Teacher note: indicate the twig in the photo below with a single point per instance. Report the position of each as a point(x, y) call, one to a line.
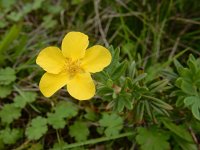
point(96, 8)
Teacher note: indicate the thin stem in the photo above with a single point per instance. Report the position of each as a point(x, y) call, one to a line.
point(98, 140)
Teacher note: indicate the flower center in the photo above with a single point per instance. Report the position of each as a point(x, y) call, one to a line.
point(73, 67)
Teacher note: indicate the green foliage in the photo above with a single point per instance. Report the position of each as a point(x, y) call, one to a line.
point(37, 128)
point(9, 113)
point(141, 91)
point(152, 139)
point(178, 130)
point(193, 102)
point(24, 98)
point(7, 76)
point(10, 136)
point(5, 90)
point(9, 38)
point(112, 124)
point(62, 112)
point(59, 145)
point(189, 84)
point(79, 131)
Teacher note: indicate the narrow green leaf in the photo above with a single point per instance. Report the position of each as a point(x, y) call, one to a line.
point(119, 70)
point(9, 37)
point(178, 130)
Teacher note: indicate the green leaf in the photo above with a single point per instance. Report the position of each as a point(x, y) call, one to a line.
point(188, 88)
point(49, 22)
point(62, 110)
point(152, 139)
point(56, 121)
point(66, 109)
point(9, 112)
point(119, 70)
point(36, 146)
point(123, 100)
point(10, 136)
point(90, 114)
point(115, 59)
point(5, 91)
point(139, 78)
point(7, 4)
point(183, 144)
point(24, 98)
point(15, 16)
point(178, 130)
point(7, 76)
point(2, 146)
point(9, 37)
point(79, 131)
point(36, 128)
point(112, 122)
point(178, 66)
point(59, 145)
point(37, 4)
point(193, 102)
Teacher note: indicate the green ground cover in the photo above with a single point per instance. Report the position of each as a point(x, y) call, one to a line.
point(148, 98)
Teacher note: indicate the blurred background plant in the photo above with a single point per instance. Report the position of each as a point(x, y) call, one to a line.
point(148, 98)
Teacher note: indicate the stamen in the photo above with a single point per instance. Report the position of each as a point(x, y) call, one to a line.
point(73, 67)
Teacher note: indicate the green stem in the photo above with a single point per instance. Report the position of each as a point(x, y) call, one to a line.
point(98, 140)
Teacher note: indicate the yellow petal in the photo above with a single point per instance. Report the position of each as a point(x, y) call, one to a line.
point(96, 58)
point(51, 60)
point(50, 83)
point(74, 45)
point(81, 87)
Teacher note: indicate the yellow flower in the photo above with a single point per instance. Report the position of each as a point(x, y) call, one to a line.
point(72, 66)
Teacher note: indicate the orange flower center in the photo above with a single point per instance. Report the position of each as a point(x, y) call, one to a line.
point(73, 67)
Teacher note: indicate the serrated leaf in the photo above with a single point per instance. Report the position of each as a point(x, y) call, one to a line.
point(24, 98)
point(10, 136)
point(66, 109)
point(56, 121)
point(37, 128)
point(152, 139)
point(62, 111)
point(9, 112)
point(79, 131)
point(5, 91)
point(112, 122)
point(7, 76)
